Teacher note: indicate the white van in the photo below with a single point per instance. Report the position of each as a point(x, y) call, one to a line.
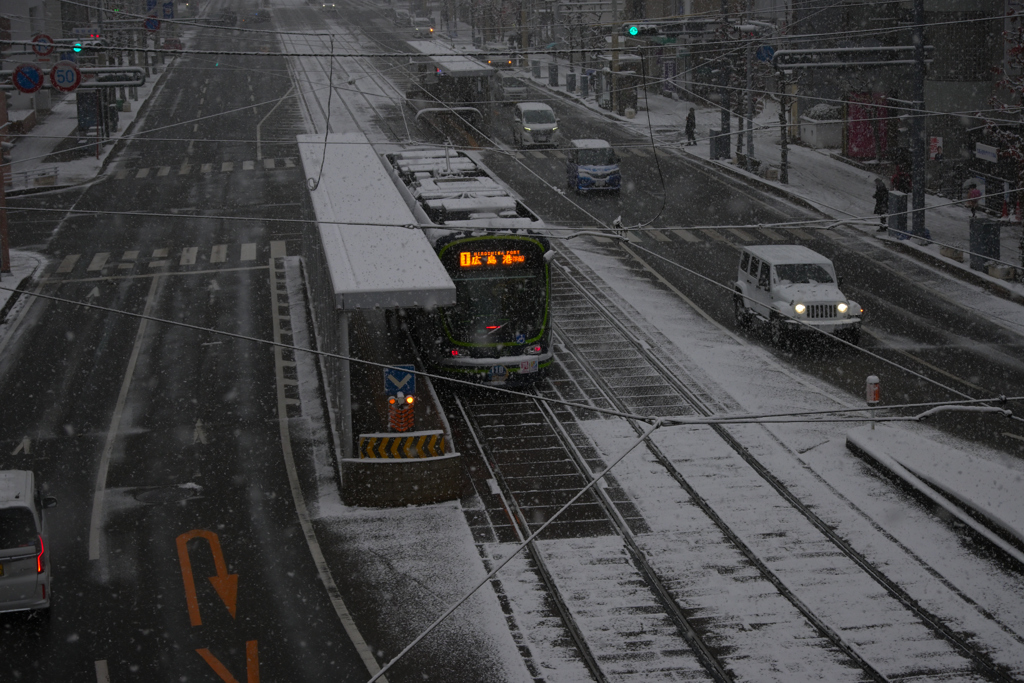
point(534, 124)
point(24, 546)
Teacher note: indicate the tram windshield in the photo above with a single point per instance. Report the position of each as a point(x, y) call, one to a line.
point(492, 310)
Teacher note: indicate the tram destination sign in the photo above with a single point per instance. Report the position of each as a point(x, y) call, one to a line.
point(494, 258)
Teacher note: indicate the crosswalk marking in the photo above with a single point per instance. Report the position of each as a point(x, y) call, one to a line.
point(68, 264)
point(164, 170)
point(188, 256)
point(206, 168)
point(185, 168)
point(219, 253)
point(772, 235)
point(801, 234)
point(249, 251)
point(143, 172)
point(98, 261)
point(289, 162)
point(831, 234)
point(122, 174)
point(743, 235)
point(268, 163)
point(537, 155)
point(248, 165)
point(278, 249)
point(227, 167)
point(659, 235)
point(687, 236)
point(558, 155)
point(715, 235)
point(130, 255)
point(160, 253)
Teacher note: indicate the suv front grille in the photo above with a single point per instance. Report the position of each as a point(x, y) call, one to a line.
point(821, 311)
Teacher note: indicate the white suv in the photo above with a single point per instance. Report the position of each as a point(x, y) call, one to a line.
point(24, 556)
point(793, 290)
point(533, 124)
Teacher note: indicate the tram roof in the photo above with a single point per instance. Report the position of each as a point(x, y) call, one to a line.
point(450, 61)
point(373, 261)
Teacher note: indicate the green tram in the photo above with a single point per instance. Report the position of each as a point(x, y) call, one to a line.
point(491, 245)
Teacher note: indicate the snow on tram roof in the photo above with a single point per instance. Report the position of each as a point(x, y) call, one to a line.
point(450, 61)
point(373, 257)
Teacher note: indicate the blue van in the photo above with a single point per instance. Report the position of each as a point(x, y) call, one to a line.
point(592, 165)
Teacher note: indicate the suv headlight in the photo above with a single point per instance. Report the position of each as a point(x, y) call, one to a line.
point(842, 307)
point(799, 308)
point(525, 128)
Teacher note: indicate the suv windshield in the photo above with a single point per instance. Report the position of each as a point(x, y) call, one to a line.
point(17, 528)
point(803, 273)
point(602, 156)
point(538, 116)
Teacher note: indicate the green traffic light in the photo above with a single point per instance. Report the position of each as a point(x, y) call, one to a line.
point(77, 47)
point(633, 30)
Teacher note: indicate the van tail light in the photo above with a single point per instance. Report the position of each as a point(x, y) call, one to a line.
point(40, 562)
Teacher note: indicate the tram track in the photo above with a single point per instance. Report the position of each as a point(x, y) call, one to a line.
point(663, 382)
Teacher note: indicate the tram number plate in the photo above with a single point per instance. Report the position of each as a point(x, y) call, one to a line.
point(498, 374)
point(528, 366)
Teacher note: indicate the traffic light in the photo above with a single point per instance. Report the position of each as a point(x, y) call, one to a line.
point(637, 30)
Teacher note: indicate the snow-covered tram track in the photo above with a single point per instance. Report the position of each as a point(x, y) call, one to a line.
point(886, 631)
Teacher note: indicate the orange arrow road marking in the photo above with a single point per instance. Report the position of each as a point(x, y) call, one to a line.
point(225, 584)
point(252, 664)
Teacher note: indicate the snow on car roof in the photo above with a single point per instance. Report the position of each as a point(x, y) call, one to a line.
point(786, 253)
point(592, 143)
point(533, 106)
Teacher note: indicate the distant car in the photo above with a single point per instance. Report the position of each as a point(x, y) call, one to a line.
point(423, 26)
point(512, 88)
point(402, 18)
point(592, 165)
point(793, 290)
point(329, 5)
point(24, 544)
point(534, 124)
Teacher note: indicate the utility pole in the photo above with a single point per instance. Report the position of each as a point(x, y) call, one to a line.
point(5, 240)
point(524, 33)
point(750, 95)
point(918, 130)
point(783, 130)
point(615, 55)
point(723, 78)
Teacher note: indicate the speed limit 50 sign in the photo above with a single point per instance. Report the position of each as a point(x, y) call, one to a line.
point(65, 76)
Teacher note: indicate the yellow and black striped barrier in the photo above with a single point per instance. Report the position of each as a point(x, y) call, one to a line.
point(392, 445)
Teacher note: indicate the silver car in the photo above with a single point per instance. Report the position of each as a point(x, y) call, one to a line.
point(534, 124)
point(24, 547)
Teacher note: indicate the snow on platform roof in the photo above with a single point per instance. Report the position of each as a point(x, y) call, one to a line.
point(786, 253)
point(373, 257)
point(591, 143)
point(450, 61)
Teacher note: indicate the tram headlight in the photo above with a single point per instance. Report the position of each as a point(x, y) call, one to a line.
point(799, 308)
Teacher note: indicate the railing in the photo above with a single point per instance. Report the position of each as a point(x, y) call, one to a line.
point(39, 177)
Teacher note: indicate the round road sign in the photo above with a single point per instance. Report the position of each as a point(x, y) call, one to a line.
point(42, 45)
point(151, 24)
point(65, 76)
point(27, 78)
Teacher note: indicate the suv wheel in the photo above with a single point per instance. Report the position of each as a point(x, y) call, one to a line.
point(740, 310)
point(777, 330)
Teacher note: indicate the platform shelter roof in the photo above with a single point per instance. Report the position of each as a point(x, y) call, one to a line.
point(376, 255)
point(450, 61)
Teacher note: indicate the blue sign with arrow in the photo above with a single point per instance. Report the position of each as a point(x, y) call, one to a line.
point(400, 378)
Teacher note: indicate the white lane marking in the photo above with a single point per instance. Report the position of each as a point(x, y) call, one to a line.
point(227, 167)
point(206, 168)
point(143, 172)
point(1014, 436)
point(185, 168)
point(68, 264)
point(188, 256)
point(24, 447)
point(278, 249)
point(493, 486)
point(195, 127)
point(164, 170)
point(268, 163)
point(249, 251)
point(219, 253)
point(743, 235)
point(122, 174)
point(772, 235)
point(190, 145)
point(202, 100)
point(658, 235)
point(248, 165)
point(102, 674)
point(347, 622)
point(115, 426)
point(160, 253)
point(130, 255)
point(199, 113)
point(289, 162)
point(98, 261)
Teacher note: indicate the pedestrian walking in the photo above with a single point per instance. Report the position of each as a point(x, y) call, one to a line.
point(973, 197)
point(691, 128)
point(881, 198)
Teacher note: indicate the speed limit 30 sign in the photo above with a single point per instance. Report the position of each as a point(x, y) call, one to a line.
point(65, 76)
